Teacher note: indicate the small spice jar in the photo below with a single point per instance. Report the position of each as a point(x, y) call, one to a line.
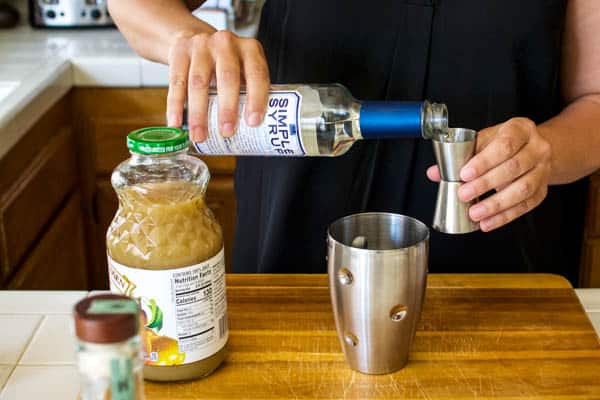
point(109, 348)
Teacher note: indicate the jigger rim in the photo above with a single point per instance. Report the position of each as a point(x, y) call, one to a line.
point(420, 226)
point(465, 134)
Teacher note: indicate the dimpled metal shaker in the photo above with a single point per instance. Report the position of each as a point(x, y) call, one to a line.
point(377, 265)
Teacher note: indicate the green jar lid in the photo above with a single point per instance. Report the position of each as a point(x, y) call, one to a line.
point(157, 140)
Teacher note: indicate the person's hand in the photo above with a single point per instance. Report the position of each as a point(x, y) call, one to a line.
point(194, 59)
point(513, 159)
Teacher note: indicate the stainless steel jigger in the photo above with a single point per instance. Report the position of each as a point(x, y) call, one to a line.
point(377, 265)
point(452, 153)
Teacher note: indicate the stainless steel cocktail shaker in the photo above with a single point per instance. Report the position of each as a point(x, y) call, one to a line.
point(377, 264)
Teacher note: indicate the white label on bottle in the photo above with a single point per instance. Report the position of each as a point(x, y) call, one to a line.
point(278, 134)
point(185, 309)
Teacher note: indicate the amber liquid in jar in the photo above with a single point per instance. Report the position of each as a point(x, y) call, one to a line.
point(163, 232)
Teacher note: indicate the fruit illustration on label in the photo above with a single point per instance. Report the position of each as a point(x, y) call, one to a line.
point(161, 350)
point(156, 320)
point(158, 350)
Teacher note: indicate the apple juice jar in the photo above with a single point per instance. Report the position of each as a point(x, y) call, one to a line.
point(165, 249)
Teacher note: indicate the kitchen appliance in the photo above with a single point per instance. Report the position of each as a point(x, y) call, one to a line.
point(377, 266)
point(69, 13)
point(9, 16)
point(452, 152)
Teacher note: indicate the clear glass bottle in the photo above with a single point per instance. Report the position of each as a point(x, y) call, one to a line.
point(321, 120)
point(165, 248)
point(109, 348)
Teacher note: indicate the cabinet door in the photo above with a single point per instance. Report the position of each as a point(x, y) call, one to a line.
point(58, 261)
point(36, 176)
point(105, 207)
point(220, 197)
point(30, 203)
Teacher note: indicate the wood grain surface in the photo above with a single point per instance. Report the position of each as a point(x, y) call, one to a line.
point(480, 336)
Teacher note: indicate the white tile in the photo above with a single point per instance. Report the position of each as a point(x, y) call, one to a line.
point(49, 383)
point(25, 105)
point(105, 48)
point(14, 72)
point(154, 74)
point(95, 292)
point(17, 330)
point(107, 71)
point(6, 88)
point(590, 298)
point(53, 343)
point(595, 318)
point(5, 371)
point(39, 302)
point(41, 50)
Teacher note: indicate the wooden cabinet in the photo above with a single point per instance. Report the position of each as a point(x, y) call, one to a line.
point(41, 222)
point(58, 260)
point(56, 201)
point(103, 117)
point(590, 267)
point(40, 190)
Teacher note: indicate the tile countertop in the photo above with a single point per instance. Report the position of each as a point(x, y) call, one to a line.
point(37, 357)
point(37, 67)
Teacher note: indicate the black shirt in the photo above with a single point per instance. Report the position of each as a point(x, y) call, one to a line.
point(487, 60)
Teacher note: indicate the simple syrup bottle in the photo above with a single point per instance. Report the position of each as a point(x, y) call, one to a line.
point(320, 120)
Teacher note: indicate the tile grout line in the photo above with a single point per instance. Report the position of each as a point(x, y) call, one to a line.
point(37, 328)
point(14, 367)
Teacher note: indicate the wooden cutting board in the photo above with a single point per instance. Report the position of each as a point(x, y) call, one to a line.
point(480, 336)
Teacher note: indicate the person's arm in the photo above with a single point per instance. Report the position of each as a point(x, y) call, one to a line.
point(165, 31)
point(575, 133)
point(519, 159)
point(151, 26)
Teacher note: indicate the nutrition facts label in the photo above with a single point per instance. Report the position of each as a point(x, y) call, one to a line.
point(199, 301)
point(184, 306)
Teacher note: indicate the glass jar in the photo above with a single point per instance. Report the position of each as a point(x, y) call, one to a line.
point(109, 348)
point(165, 248)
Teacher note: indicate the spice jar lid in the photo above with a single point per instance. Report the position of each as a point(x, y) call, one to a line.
point(106, 318)
point(157, 140)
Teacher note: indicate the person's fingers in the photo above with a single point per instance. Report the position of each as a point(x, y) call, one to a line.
point(508, 140)
point(484, 137)
point(517, 192)
point(514, 212)
point(256, 73)
point(499, 176)
point(179, 64)
point(433, 173)
point(225, 53)
point(200, 73)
